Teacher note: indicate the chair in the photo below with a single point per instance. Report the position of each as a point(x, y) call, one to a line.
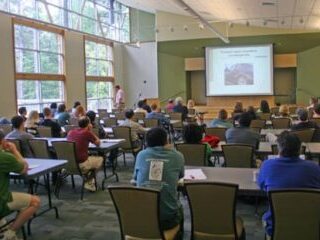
point(139, 116)
point(138, 213)
point(103, 113)
point(216, 131)
point(16, 142)
point(213, 211)
point(275, 150)
point(74, 121)
point(256, 129)
point(292, 110)
point(296, 213)
point(264, 116)
point(151, 122)
point(316, 120)
point(67, 151)
point(258, 123)
point(238, 155)
point(304, 135)
point(95, 130)
point(191, 111)
point(44, 132)
point(120, 116)
point(281, 123)
point(110, 122)
point(274, 111)
point(6, 128)
point(68, 128)
point(175, 116)
point(39, 148)
point(194, 154)
point(122, 132)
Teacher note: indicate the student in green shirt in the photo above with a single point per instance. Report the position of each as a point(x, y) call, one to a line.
point(12, 161)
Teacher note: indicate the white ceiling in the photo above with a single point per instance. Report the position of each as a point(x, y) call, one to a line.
point(297, 14)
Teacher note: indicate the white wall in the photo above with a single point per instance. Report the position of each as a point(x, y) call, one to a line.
point(139, 65)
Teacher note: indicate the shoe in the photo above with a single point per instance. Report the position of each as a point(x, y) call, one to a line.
point(10, 235)
point(90, 186)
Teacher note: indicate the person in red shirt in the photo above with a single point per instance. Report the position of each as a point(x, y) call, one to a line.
point(82, 136)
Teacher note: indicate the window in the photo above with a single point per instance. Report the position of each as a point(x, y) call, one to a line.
point(99, 74)
point(39, 66)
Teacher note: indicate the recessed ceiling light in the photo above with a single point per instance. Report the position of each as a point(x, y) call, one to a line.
point(268, 3)
point(247, 23)
point(201, 26)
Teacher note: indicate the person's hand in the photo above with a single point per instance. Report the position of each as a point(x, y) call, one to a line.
point(9, 146)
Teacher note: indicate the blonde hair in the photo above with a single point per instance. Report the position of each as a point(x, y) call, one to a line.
point(190, 103)
point(80, 112)
point(179, 100)
point(284, 110)
point(32, 119)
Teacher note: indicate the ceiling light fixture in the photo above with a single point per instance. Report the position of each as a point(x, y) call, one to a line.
point(282, 22)
point(171, 29)
point(231, 24)
point(185, 28)
point(301, 20)
point(138, 45)
point(201, 26)
point(247, 23)
point(265, 22)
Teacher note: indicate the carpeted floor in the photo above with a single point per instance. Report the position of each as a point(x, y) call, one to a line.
point(95, 217)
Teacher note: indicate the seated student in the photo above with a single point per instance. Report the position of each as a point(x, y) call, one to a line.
point(252, 113)
point(170, 105)
point(79, 112)
point(75, 105)
point(243, 134)
point(221, 121)
point(146, 106)
point(92, 116)
point(32, 123)
point(193, 134)
point(190, 104)
point(312, 102)
point(264, 107)
point(284, 111)
point(82, 136)
point(160, 167)
point(20, 133)
point(180, 108)
point(62, 116)
point(304, 122)
point(48, 122)
point(140, 109)
point(26, 204)
point(238, 109)
point(23, 112)
point(156, 114)
point(287, 171)
point(135, 128)
point(53, 108)
point(316, 111)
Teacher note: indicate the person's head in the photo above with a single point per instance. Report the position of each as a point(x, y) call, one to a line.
point(22, 111)
point(17, 122)
point(84, 122)
point(179, 101)
point(190, 103)
point(33, 116)
point(302, 114)
point(284, 110)
point(76, 104)
point(313, 100)
point(264, 106)
point(129, 113)
point(170, 101)
point(53, 105)
point(251, 110)
point(144, 101)
point(61, 108)
point(117, 87)
point(223, 115)
point(316, 109)
point(154, 107)
point(91, 115)
point(47, 112)
point(80, 112)
point(156, 137)
point(140, 104)
point(238, 107)
point(245, 119)
point(288, 144)
point(192, 133)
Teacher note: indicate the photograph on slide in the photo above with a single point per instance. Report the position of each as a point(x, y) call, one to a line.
point(238, 74)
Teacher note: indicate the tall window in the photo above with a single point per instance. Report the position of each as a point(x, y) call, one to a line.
point(39, 65)
point(99, 74)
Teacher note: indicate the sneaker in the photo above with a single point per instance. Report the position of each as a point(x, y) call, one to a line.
point(10, 235)
point(90, 186)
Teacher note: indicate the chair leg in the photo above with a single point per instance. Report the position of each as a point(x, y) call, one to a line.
point(124, 159)
point(72, 181)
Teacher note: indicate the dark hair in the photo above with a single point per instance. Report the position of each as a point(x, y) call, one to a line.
point(61, 108)
point(156, 137)
point(316, 108)
point(302, 114)
point(117, 87)
point(223, 114)
point(76, 104)
point(245, 119)
point(91, 115)
point(46, 112)
point(84, 122)
point(129, 113)
point(238, 108)
point(252, 112)
point(17, 121)
point(289, 144)
point(53, 105)
point(22, 110)
point(140, 103)
point(192, 133)
point(264, 106)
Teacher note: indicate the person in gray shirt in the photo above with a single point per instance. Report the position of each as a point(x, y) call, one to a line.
point(19, 133)
point(243, 134)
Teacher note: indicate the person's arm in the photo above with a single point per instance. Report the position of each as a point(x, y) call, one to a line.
point(11, 147)
point(93, 138)
point(262, 177)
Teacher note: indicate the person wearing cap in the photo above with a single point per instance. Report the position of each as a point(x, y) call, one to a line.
point(27, 205)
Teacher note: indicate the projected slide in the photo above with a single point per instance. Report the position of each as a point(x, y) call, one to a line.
point(239, 70)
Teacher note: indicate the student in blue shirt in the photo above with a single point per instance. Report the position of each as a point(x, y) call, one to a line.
point(221, 121)
point(287, 171)
point(160, 167)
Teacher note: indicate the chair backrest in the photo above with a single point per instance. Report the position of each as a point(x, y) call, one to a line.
point(16, 142)
point(310, 113)
point(191, 111)
point(6, 128)
point(175, 116)
point(138, 212)
point(67, 151)
point(103, 113)
point(256, 129)
point(194, 154)
point(292, 110)
point(238, 155)
point(95, 130)
point(274, 110)
point(39, 148)
point(120, 116)
point(264, 116)
point(44, 131)
point(258, 123)
point(281, 123)
point(275, 150)
point(304, 135)
point(316, 120)
point(296, 214)
point(216, 131)
point(151, 122)
point(110, 122)
point(122, 132)
point(68, 128)
point(74, 121)
point(212, 208)
point(139, 116)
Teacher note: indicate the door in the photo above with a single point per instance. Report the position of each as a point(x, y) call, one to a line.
point(285, 85)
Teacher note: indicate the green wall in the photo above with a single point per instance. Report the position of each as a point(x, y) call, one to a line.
point(308, 74)
point(142, 26)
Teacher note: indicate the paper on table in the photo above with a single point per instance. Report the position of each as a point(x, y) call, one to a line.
point(32, 166)
point(112, 140)
point(194, 174)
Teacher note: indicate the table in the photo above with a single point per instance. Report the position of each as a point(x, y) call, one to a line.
point(42, 167)
point(276, 132)
point(264, 148)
